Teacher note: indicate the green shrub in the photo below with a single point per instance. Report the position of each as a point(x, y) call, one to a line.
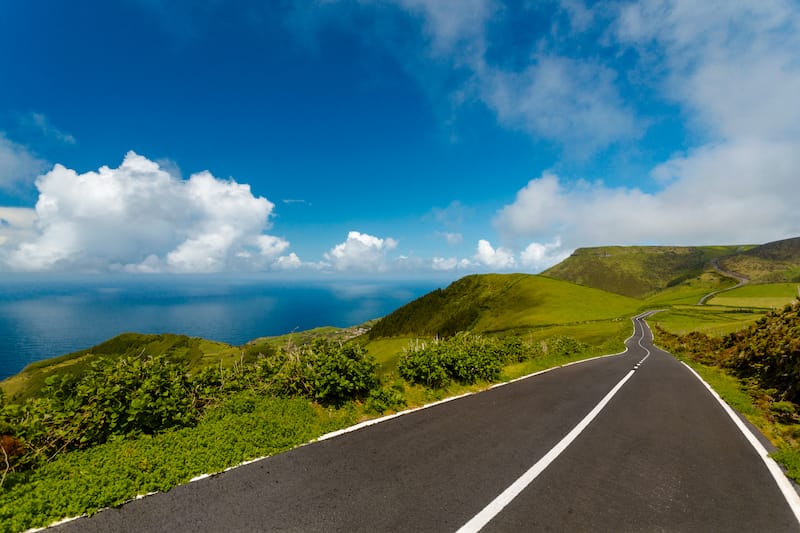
point(384, 399)
point(329, 372)
point(464, 358)
point(128, 396)
point(564, 345)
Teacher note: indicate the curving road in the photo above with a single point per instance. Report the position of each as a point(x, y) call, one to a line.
point(740, 279)
point(659, 455)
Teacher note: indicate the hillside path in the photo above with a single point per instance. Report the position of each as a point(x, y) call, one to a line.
point(661, 455)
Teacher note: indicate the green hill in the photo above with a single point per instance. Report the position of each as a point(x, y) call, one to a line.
point(636, 271)
point(774, 262)
point(644, 271)
point(497, 303)
point(196, 352)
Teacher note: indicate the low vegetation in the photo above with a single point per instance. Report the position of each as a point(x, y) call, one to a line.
point(132, 424)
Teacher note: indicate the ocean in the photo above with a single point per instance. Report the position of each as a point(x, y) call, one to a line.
point(42, 317)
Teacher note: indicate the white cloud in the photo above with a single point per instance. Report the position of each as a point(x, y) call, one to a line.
point(361, 252)
point(716, 195)
point(139, 217)
point(16, 225)
point(565, 100)
point(500, 258)
point(450, 263)
point(17, 165)
point(288, 262)
point(537, 256)
point(734, 66)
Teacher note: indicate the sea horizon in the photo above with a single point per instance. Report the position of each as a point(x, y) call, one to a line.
point(45, 316)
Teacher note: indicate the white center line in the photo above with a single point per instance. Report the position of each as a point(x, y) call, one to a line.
point(497, 505)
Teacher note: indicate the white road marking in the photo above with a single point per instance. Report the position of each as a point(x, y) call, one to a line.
point(785, 486)
point(506, 497)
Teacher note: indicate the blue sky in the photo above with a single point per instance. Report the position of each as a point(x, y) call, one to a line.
point(390, 137)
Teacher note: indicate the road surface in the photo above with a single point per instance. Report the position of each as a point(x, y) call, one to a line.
point(660, 455)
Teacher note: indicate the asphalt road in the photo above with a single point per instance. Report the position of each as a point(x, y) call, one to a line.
point(662, 455)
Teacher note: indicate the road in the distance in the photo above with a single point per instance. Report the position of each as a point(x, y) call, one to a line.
point(661, 456)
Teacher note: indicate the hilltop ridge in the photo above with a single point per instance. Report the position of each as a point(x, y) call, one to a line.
point(642, 271)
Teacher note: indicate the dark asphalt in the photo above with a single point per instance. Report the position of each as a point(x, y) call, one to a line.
point(662, 456)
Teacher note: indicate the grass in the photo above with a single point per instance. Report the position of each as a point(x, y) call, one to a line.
point(726, 313)
point(688, 292)
point(539, 301)
point(763, 270)
point(711, 320)
point(387, 353)
point(768, 296)
point(244, 427)
point(497, 304)
point(636, 271)
point(196, 352)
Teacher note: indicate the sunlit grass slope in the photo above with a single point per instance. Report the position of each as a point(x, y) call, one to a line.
point(769, 296)
point(774, 262)
point(501, 303)
point(196, 352)
point(637, 271)
point(712, 320)
point(725, 313)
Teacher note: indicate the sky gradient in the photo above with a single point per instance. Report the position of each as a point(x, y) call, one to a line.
point(390, 137)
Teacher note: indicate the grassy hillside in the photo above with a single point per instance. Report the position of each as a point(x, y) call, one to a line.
point(499, 303)
point(197, 352)
point(636, 271)
point(774, 262)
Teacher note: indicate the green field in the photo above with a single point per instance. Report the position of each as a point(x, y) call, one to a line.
point(769, 296)
point(711, 320)
point(637, 271)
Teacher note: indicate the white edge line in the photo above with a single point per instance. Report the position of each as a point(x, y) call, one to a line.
point(362, 425)
point(785, 486)
point(507, 496)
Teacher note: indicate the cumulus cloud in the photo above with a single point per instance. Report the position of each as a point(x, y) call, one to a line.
point(450, 263)
point(288, 262)
point(138, 217)
point(361, 252)
point(539, 256)
point(16, 225)
point(716, 196)
point(498, 258)
point(17, 165)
